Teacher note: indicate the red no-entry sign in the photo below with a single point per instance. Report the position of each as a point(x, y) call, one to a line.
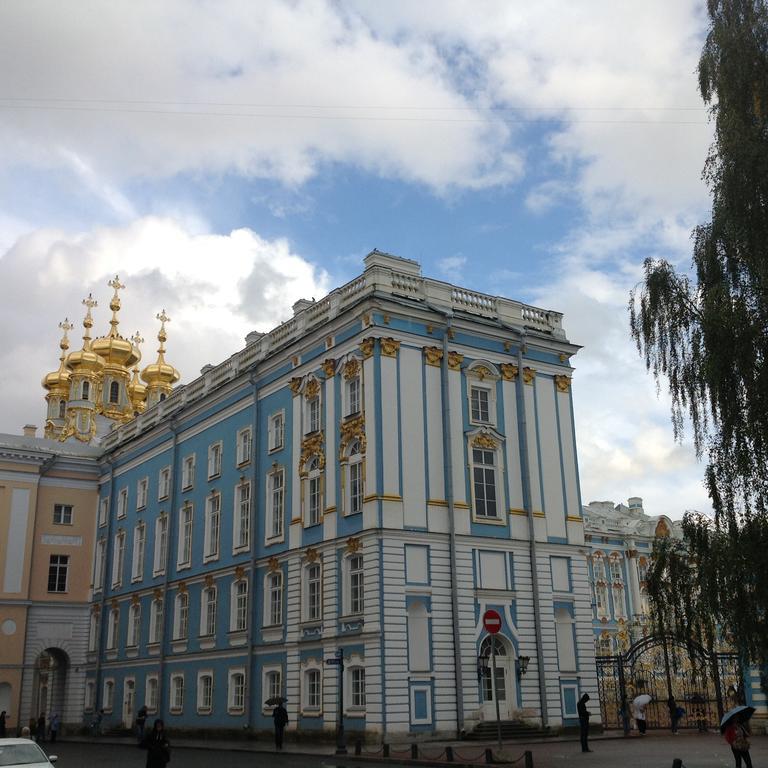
point(492, 621)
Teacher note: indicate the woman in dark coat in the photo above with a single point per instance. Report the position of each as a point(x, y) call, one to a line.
point(157, 746)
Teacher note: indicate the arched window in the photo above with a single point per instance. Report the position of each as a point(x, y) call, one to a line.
point(487, 669)
point(598, 568)
point(354, 489)
point(62, 408)
point(313, 499)
point(208, 612)
point(85, 390)
point(114, 392)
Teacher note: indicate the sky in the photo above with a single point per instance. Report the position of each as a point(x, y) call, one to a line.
point(227, 158)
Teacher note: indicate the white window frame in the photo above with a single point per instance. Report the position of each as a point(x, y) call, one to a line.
point(205, 692)
point(215, 456)
point(241, 518)
point(412, 697)
point(93, 632)
point(353, 395)
point(312, 707)
point(617, 593)
point(118, 558)
point(238, 606)
point(475, 415)
point(151, 685)
point(275, 528)
point(273, 610)
point(235, 698)
point(156, 616)
point(268, 687)
point(312, 604)
point(212, 539)
point(313, 414)
point(354, 474)
point(64, 511)
point(89, 695)
point(354, 603)
point(103, 510)
point(142, 493)
point(181, 616)
point(113, 628)
point(614, 566)
point(188, 472)
point(277, 431)
point(122, 503)
point(498, 484)
point(186, 532)
point(355, 669)
point(133, 635)
point(177, 693)
point(108, 695)
point(99, 564)
point(209, 596)
point(244, 446)
point(164, 483)
point(139, 552)
point(160, 553)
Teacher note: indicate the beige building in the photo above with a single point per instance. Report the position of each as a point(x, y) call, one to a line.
point(47, 521)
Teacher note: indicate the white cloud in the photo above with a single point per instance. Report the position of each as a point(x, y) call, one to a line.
point(216, 288)
point(452, 267)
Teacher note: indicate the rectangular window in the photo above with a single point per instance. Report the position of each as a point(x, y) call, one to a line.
point(416, 564)
point(479, 400)
point(358, 688)
point(122, 503)
point(242, 522)
point(276, 431)
point(93, 629)
point(616, 572)
point(353, 396)
point(314, 501)
point(109, 695)
point(244, 446)
point(134, 626)
point(181, 617)
point(312, 687)
point(112, 628)
point(139, 545)
point(493, 570)
point(57, 573)
point(188, 472)
point(274, 683)
point(177, 693)
point(161, 545)
point(314, 594)
point(212, 526)
point(103, 510)
point(355, 487)
point(62, 514)
point(236, 695)
point(484, 473)
point(276, 504)
point(275, 599)
point(239, 618)
point(356, 584)
point(313, 414)
point(205, 692)
point(150, 694)
point(99, 564)
point(118, 557)
point(184, 554)
point(214, 460)
point(164, 484)
point(208, 613)
point(156, 621)
point(142, 488)
point(90, 695)
point(566, 646)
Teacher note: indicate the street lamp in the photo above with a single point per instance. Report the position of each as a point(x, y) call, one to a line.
point(522, 662)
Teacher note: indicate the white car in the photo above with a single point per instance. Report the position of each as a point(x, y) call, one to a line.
point(23, 752)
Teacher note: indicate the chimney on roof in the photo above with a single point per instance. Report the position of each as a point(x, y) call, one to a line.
point(301, 305)
point(635, 502)
point(253, 337)
point(29, 430)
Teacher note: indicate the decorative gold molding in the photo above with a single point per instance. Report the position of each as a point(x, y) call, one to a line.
point(115, 604)
point(563, 383)
point(329, 510)
point(239, 572)
point(484, 440)
point(135, 600)
point(460, 505)
point(158, 593)
point(455, 359)
point(295, 360)
point(311, 555)
point(507, 346)
point(312, 389)
point(353, 544)
point(433, 356)
point(367, 345)
point(508, 371)
point(295, 385)
point(574, 519)
point(328, 342)
point(329, 367)
point(529, 374)
point(311, 445)
point(430, 329)
point(386, 319)
point(351, 368)
point(182, 587)
point(389, 347)
point(273, 564)
point(352, 429)
point(208, 580)
point(437, 502)
point(563, 357)
point(480, 372)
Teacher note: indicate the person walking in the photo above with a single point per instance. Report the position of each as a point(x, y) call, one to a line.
point(280, 716)
point(674, 713)
point(96, 724)
point(737, 736)
point(54, 726)
point(2, 724)
point(40, 733)
point(141, 720)
point(581, 708)
point(640, 718)
point(157, 745)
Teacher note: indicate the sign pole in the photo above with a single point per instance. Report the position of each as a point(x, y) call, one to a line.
point(341, 743)
point(495, 689)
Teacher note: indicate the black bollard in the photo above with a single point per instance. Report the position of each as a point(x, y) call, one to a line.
point(414, 751)
point(449, 754)
point(488, 756)
point(358, 748)
point(677, 763)
point(528, 758)
point(385, 750)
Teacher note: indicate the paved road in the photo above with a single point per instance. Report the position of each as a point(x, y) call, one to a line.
point(652, 751)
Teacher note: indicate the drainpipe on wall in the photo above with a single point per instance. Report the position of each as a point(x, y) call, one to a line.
point(528, 505)
point(255, 455)
point(167, 615)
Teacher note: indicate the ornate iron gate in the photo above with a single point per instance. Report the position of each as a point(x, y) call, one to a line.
point(704, 684)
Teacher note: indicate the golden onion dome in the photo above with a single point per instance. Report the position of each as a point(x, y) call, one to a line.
point(161, 373)
point(115, 349)
point(85, 359)
point(60, 378)
point(137, 390)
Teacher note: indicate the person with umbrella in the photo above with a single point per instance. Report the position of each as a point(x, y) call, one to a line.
point(280, 716)
point(734, 727)
point(639, 704)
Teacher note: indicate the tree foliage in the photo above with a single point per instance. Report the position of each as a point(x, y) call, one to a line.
point(706, 333)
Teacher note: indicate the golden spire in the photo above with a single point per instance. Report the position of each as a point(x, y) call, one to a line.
point(162, 336)
point(65, 326)
point(61, 376)
point(114, 305)
point(137, 390)
point(160, 376)
point(89, 302)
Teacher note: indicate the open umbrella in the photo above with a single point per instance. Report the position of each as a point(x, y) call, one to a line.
point(643, 700)
point(741, 714)
point(273, 701)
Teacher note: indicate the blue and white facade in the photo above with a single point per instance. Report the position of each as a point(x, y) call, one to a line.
point(370, 476)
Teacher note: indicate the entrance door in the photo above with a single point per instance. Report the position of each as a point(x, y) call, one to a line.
point(129, 697)
point(502, 686)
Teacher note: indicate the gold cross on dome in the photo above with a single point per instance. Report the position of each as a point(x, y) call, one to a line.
point(90, 302)
point(137, 339)
point(66, 326)
point(116, 284)
point(163, 318)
